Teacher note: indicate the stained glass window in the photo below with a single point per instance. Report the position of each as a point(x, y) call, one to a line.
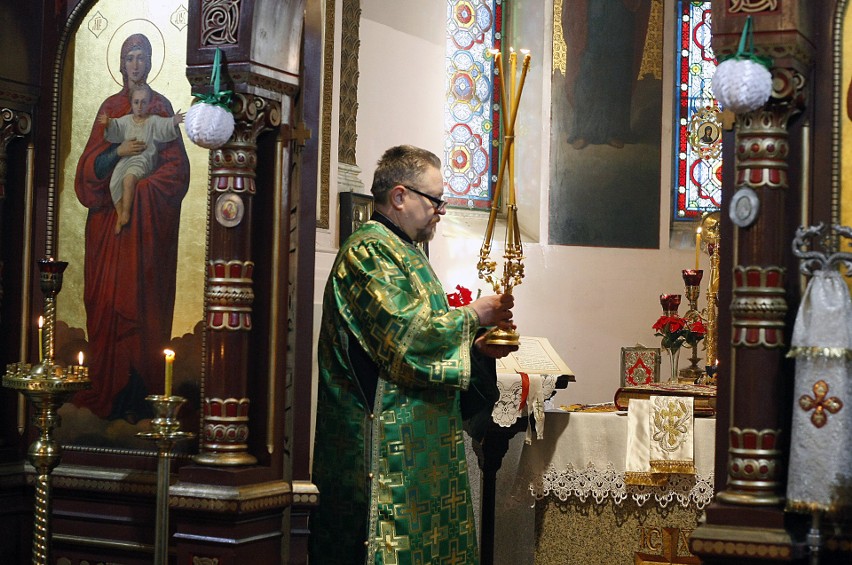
point(470, 136)
point(698, 142)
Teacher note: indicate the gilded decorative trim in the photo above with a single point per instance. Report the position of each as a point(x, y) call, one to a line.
point(215, 498)
point(305, 493)
point(229, 295)
point(739, 549)
point(225, 423)
point(351, 45)
point(234, 165)
point(220, 22)
point(230, 506)
point(560, 49)
point(838, 103)
point(754, 467)
point(71, 25)
point(325, 117)
point(820, 352)
point(251, 79)
point(758, 307)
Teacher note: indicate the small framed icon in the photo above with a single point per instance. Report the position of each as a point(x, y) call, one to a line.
point(640, 365)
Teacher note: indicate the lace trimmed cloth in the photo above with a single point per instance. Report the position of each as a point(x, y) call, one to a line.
point(523, 395)
point(601, 484)
point(583, 456)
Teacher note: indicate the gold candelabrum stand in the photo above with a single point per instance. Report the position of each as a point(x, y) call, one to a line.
point(47, 386)
point(707, 238)
point(513, 266)
point(165, 432)
point(711, 240)
point(692, 281)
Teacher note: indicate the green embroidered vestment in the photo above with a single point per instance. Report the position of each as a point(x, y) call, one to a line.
point(393, 481)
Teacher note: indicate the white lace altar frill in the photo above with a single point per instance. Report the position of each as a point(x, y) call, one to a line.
point(523, 395)
point(600, 484)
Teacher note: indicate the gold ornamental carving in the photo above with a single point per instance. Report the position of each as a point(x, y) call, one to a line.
point(234, 165)
point(350, 45)
point(762, 139)
point(327, 104)
point(752, 6)
point(220, 21)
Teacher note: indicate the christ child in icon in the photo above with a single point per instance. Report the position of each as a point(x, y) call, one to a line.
point(139, 126)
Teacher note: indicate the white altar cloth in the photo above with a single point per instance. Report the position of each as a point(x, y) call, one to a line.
point(584, 454)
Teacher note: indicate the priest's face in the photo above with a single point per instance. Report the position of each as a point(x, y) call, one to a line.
point(424, 206)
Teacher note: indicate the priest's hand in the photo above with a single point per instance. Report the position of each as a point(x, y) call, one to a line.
point(493, 310)
point(494, 350)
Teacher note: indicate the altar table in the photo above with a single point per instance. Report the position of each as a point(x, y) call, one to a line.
point(584, 511)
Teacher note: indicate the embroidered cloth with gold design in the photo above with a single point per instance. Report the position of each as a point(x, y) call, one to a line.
point(660, 439)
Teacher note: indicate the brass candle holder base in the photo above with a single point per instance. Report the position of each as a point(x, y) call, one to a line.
point(165, 431)
point(47, 386)
point(502, 337)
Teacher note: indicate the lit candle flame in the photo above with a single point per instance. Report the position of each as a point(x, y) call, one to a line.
point(40, 339)
point(80, 358)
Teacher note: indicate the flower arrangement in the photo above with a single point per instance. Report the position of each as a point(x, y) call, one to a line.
point(462, 297)
point(677, 331)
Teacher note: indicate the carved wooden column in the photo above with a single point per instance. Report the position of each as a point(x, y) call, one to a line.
point(747, 520)
point(230, 293)
point(230, 505)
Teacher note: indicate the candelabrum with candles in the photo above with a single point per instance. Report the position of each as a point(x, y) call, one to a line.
point(46, 385)
point(165, 432)
point(513, 266)
point(710, 230)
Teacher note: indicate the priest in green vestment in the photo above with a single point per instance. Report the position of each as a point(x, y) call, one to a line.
point(399, 372)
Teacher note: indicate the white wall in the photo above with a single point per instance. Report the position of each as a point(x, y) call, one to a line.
point(589, 302)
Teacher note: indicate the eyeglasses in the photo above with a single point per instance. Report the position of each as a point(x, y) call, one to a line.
point(438, 203)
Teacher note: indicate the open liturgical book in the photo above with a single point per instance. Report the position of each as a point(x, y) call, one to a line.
point(535, 356)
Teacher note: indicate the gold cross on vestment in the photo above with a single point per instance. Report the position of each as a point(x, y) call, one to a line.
point(391, 543)
point(671, 542)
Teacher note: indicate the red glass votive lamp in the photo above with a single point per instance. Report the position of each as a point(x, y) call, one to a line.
point(692, 277)
point(670, 303)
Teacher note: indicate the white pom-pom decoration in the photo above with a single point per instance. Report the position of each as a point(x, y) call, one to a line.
point(208, 125)
point(742, 85)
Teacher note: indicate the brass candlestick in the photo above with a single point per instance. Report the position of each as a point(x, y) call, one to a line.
point(710, 229)
point(165, 432)
point(692, 281)
point(513, 267)
point(47, 386)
